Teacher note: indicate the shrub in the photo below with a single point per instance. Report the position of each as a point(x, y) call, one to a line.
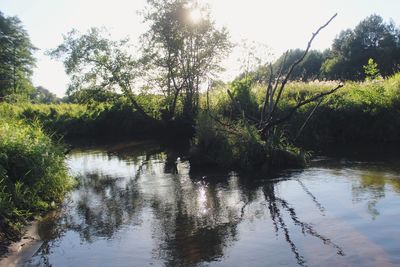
point(33, 175)
point(240, 147)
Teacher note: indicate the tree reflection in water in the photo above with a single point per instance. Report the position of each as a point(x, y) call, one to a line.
point(195, 218)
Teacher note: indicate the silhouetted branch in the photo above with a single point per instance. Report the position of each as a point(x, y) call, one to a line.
point(297, 62)
point(308, 118)
point(299, 105)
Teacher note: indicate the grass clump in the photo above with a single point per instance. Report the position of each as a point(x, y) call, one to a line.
point(238, 146)
point(33, 174)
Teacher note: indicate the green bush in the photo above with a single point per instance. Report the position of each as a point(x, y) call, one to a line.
point(33, 175)
point(240, 147)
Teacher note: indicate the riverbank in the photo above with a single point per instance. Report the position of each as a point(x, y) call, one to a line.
point(16, 253)
point(137, 203)
point(33, 176)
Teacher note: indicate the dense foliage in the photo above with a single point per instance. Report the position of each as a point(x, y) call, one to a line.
point(359, 113)
point(176, 56)
point(16, 58)
point(351, 50)
point(114, 119)
point(33, 175)
point(179, 52)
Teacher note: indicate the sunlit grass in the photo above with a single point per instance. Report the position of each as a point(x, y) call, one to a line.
point(33, 174)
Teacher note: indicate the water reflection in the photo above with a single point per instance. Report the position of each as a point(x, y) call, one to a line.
point(191, 220)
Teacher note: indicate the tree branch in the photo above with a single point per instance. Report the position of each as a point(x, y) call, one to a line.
point(305, 102)
point(297, 62)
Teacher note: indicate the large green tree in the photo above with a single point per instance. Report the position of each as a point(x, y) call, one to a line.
point(178, 52)
point(94, 62)
point(181, 48)
point(16, 57)
point(351, 50)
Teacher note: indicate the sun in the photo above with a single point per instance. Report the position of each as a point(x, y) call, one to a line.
point(195, 15)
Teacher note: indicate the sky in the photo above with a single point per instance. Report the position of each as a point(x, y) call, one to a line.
point(278, 25)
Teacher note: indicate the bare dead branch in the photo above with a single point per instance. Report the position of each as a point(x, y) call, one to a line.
point(267, 93)
point(297, 62)
point(308, 118)
point(216, 119)
point(300, 104)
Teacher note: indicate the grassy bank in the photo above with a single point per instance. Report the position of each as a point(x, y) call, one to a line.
point(33, 175)
point(359, 113)
point(97, 120)
point(74, 120)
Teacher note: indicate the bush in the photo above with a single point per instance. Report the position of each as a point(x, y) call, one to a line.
point(239, 146)
point(33, 175)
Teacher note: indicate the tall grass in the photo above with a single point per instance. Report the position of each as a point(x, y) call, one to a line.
point(361, 112)
point(75, 120)
point(33, 175)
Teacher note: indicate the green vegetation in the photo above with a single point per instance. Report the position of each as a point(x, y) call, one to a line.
point(177, 55)
point(33, 175)
point(16, 59)
point(352, 49)
point(239, 146)
point(255, 122)
point(371, 70)
point(105, 120)
point(360, 112)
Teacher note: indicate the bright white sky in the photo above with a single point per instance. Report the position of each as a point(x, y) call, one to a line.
point(279, 24)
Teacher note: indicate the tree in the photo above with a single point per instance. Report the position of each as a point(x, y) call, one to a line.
point(16, 57)
point(371, 70)
point(351, 50)
point(177, 54)
point(181, 48)
point(42, 95)
point(308, 69)
point(95, 62)
point(270, 118)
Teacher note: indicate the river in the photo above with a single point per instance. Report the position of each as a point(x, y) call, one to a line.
point(138, 204)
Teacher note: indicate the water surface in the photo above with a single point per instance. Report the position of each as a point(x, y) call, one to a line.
point(138, 205)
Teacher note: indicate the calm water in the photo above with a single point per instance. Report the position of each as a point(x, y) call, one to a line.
point(138, 205)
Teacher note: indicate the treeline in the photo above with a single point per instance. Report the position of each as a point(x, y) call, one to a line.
point(17, 62)
point(372, 39)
